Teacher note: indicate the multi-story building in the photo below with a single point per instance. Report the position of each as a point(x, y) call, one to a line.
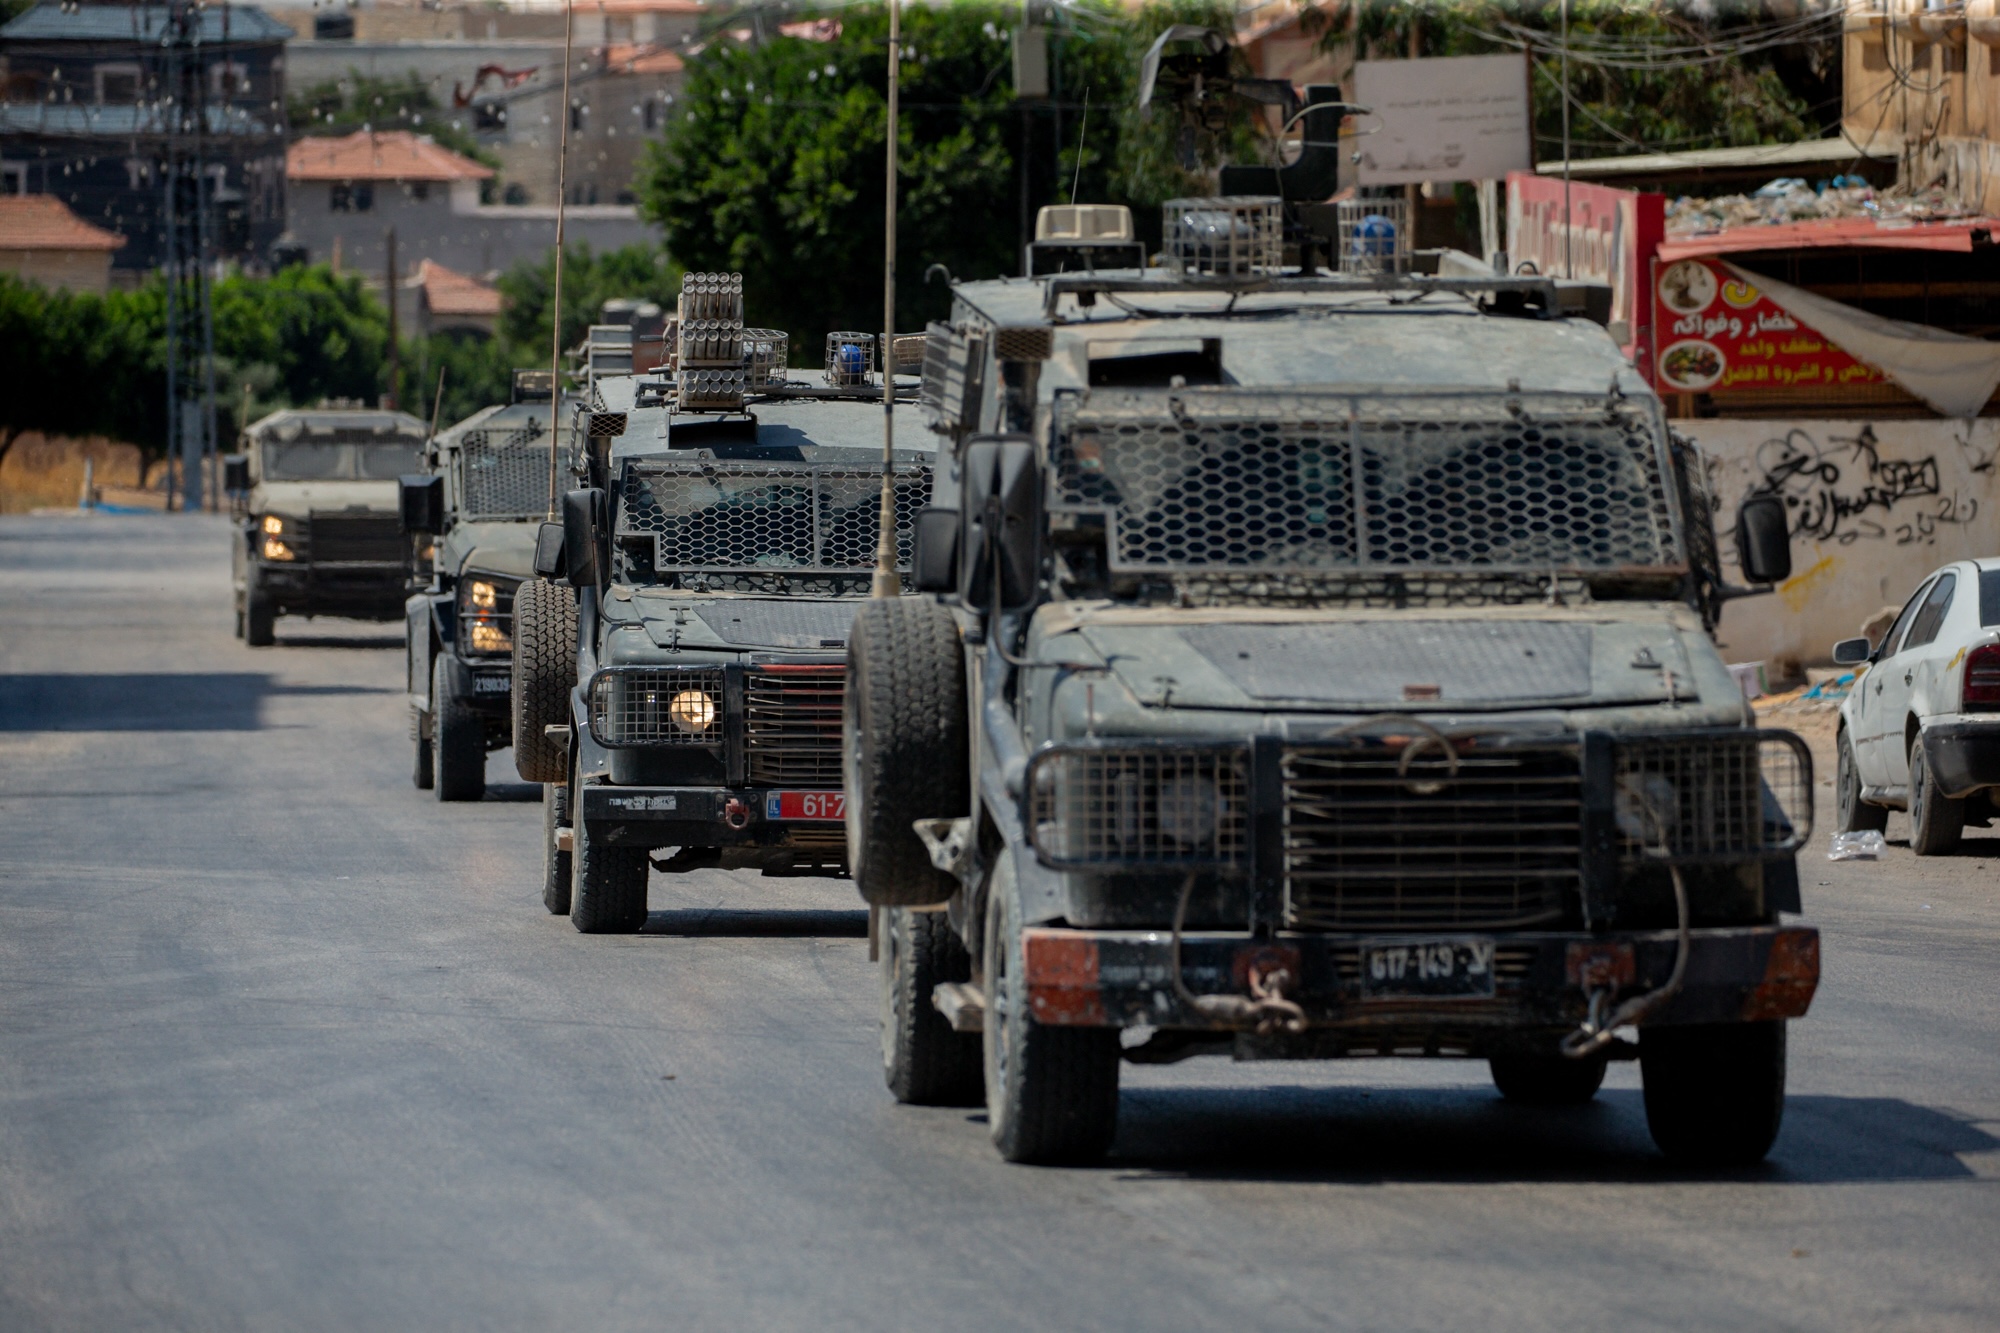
point(86, 100)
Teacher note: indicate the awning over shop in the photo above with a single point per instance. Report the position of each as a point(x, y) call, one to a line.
point(1833, 233)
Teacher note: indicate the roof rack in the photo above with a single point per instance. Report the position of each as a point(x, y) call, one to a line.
point(1540, 292)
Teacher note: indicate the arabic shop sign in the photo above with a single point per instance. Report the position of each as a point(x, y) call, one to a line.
point(1719, 333)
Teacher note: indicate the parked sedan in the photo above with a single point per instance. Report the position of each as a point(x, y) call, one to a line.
point(1921, 729)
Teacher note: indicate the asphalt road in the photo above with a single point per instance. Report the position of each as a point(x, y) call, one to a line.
point(285, 1044)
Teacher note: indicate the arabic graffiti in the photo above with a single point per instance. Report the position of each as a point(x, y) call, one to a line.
point(1845, 491)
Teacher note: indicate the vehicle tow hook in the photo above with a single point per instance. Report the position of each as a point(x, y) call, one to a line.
point(1265, 1005)
point(736, 814)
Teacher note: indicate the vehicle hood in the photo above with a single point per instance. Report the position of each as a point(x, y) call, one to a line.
point(1453, 659)
point(495, 548)
point(306, 497)
point(676, 619)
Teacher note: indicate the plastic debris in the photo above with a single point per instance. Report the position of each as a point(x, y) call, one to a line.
point(1856, 846)
point(1791, 199)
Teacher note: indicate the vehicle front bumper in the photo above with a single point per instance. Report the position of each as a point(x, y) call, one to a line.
point(700, 817)
point(1124, 978)
point(1963, 756)
point(485, 685)
point(372, 591)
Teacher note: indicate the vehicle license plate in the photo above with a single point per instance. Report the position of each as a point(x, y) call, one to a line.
point(829, 805)
point(487, 684)
point(1433, 968)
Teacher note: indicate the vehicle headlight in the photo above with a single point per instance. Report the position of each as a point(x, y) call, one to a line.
point(485, 595)
point(692, 710)
point(277, 550)
point(273, 524)
point(1108, 806)
point(487, 637)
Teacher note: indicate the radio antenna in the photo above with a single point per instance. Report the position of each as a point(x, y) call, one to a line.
point(562, 197)
point(886, 583)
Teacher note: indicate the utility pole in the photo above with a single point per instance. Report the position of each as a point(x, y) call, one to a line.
point(185, 202)
point(389, 287)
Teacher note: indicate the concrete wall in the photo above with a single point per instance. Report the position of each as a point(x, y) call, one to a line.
point(73, 270)
point(1875, 506)
point(462, 236)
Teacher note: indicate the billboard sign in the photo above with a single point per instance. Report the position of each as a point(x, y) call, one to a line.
point(1454, 118)
point(1718, 332)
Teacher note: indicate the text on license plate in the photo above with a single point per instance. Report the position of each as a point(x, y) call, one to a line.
point(490, 684)
point(1427, 968)
point(805, 805)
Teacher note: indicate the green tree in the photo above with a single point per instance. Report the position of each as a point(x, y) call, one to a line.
point(641, 272)
point(771, 164)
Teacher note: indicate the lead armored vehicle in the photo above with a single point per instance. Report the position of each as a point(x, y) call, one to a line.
point(720, 534)
point(479, 506)
point(314, 492)
point(1317, 667)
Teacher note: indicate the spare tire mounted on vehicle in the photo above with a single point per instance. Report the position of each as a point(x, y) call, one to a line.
point(544, 674)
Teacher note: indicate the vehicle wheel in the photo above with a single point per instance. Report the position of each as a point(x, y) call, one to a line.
point(1851, 813)
point(458, 741)
point(1051, 1092)
point(1937, 821)
point(1547, 1080)
point(1715, 1094)
point(924, 1062)
point(555, 862)
point(425, 772)
point(904, 751)
point(544, 675)
point(260, 617)
point(607, 884)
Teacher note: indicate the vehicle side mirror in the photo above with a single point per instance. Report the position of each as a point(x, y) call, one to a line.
point(579, 525)
point(236, 472)
point(1852, 652)
point(549, 561)
point(422, 503)
point(1763, 539)
point(1002, 498)
point(935, 566)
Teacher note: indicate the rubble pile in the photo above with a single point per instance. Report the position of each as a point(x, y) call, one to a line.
point(1792, 199)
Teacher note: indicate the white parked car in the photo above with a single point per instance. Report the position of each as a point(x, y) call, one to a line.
point(1920, 731)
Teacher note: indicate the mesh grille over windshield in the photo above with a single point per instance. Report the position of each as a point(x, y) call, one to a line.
point(1202, 480)
point(746, 517)
point(504, 473)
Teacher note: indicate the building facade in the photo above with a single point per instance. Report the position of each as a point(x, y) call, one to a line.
point(95, 102)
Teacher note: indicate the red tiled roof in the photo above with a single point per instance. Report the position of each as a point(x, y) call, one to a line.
point(646, 59)
point(449, 293)
point(382, 155)
point(44, 222)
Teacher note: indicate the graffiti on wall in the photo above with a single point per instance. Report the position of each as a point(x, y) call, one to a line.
point(1839, 488)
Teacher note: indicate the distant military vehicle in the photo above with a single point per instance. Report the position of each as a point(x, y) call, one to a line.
point(719, 532)
point(315, 495)
point(478, 506)
point(1318, 667)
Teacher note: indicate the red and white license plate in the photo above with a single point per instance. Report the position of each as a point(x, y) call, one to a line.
point(827, 805)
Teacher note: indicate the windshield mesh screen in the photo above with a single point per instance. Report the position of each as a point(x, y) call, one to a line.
point(757, 516)
point(504, 474)
point(1202, 480)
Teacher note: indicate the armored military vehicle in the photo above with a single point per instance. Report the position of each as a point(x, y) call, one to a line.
point(1318, 667)
point(479, 506)
point(721, 531)
point(314, 492)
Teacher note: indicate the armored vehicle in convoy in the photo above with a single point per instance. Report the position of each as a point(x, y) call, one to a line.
point(679, 691)
point(314, 493)
point(1318, 667)
point(479, 507)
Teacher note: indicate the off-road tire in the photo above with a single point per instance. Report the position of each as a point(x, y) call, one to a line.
point(458, 741)
point(1851, 814)
point(904, 751)
point(555, 862)
point(607, 884)
point(1715, 1093)
point(1051, 1092)
point(1937, 821)
point(260, 617)
point(924, 1062)
point(544, 675)
point(1547, 1080)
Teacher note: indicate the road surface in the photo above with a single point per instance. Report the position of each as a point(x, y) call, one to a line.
point(285, 1044)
